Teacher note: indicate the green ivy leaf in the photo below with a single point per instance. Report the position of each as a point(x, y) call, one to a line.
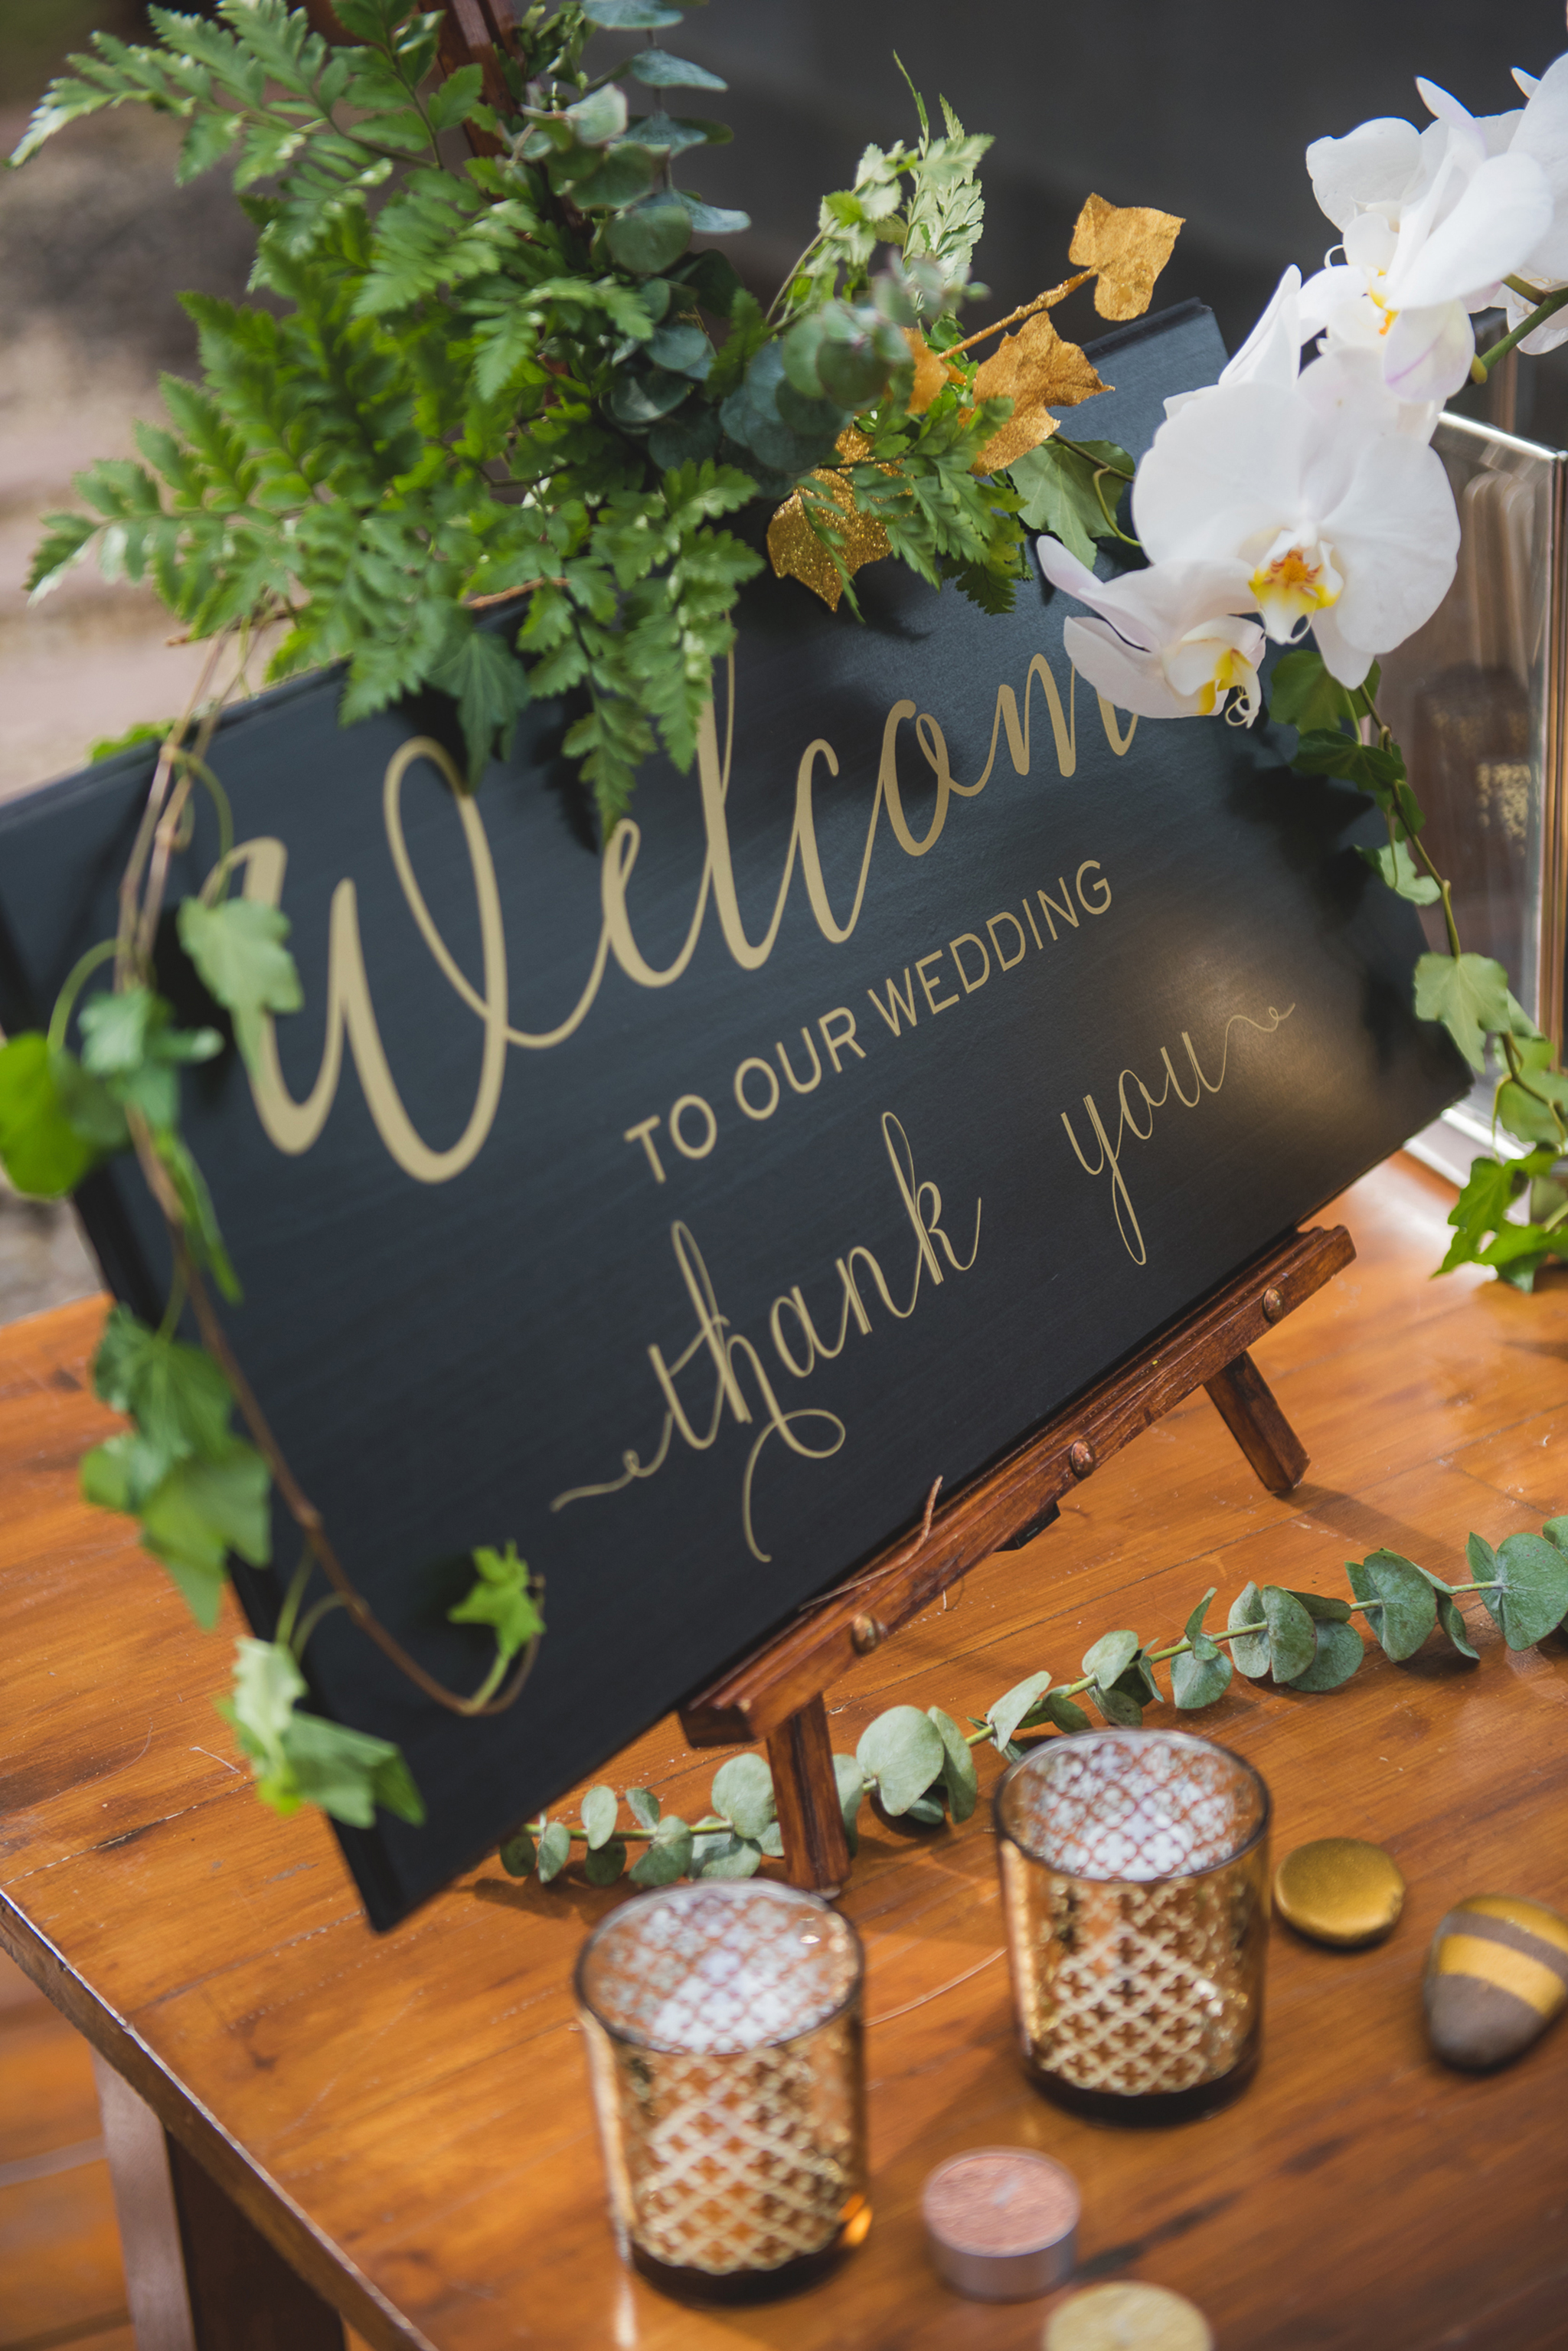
point(1337, 1652)
point(1402, 1606)
point(599, 1816)
point(1292, 1644)
point(1482, 1207)
point(42, 1151)
point(178, 1395)
point(1057, 485)
point(1469, 994)
point(202, 1236)
point(1010, 1709)
point(501, 1599)
point(1301, 692)
point(645, 1807)
point(1401, 873)
point(1249, 1650)
point(742, 1794)
point(851, 1782)
point(555, 1850)
point(1534, 1597)
point(238, 949)
point(903, 1752)
point(518, 1854)
point(666, 1857)
point(958, 1774)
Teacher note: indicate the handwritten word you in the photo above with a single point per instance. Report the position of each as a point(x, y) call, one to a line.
point(1109, 1159)
point(733, 1363)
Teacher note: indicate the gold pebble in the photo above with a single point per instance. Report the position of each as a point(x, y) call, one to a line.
point(1127, 2318)
point(1338, 1890)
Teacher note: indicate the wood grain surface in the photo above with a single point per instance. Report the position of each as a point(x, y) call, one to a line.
point(408, 2118)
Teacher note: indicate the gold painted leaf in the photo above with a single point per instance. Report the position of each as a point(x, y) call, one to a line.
point(1037, 370)
point(797, 551)
point(1127, 245)
point(932, 372)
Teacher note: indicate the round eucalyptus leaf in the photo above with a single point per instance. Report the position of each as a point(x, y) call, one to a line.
point(1535, 1575)
point(666, 1857)
point(628, 170)
point(725, 1857)
point(1291, 1645)
point(1010, 1709)
point(1110, 1657)
point(602, 1864)
point(684, 350)
point(599, 117)
point(958, 1774)
point(743, 1794)
point(928, 1811)
point(1117, 1707)
point(630, 16)
point(1193, 1629)
point(1338, 1652)
point(1063, 1711)
point(657, 70)
point(643, 396)
point(798, 350)
point(649, 237)
point(599, 1812)
point(1454, 1625)
point(1409, 1608)
point(645, 1807)
point(1199, 1680)
point(851, 1782)
point(713, 220)
point(686, 438)
point(903, 1752)
point(850, 372)
point(1250, 1652)
point(1324, 1607)
point(555, 1850)
point(518, 1854)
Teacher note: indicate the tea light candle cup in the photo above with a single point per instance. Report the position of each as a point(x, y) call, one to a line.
point(723, 2029)
point(1002, 2222)
point(1134, 1869)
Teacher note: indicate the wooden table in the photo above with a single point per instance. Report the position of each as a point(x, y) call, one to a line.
point(408, 2118)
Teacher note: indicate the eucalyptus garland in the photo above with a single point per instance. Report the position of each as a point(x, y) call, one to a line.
point(484, 438)
point(919, 1766)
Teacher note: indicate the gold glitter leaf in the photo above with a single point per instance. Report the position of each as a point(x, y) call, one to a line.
point(1127, 245)
point(932, 372)
point(1037, 370)
point(797, 551)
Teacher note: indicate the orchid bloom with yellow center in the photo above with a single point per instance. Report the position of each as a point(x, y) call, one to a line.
point(1337, 518)
point(1167, 642)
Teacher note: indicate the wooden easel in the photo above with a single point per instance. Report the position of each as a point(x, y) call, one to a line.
point(777, 1694)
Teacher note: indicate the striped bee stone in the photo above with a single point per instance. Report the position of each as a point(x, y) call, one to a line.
point(1496, 1976)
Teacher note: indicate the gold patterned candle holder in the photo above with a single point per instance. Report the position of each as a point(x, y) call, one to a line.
point(1134, 1869)
point(723, 2026)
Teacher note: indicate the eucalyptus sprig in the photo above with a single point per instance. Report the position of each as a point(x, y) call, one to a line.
point(919, 1765)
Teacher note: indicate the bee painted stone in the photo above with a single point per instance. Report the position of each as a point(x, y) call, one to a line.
point(1496, 1976)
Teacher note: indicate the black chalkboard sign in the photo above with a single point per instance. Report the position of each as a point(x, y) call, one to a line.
point(682, 1213)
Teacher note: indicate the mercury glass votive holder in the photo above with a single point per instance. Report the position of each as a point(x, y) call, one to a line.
point(1134, 1869)
point(723, 2026)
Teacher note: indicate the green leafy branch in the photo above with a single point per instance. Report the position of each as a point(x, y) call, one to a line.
point(1468, 994)
point(919, 1766)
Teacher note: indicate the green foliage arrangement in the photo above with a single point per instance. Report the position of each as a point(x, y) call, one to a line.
point(920, 1766)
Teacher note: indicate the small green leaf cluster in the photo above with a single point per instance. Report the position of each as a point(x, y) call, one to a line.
point(920, 1766)
point(1469, 994)
point(302, 1759)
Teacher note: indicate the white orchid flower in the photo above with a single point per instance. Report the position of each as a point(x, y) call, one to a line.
point(1272, 352)
point(1167, 642)
point(1431, 223)
point(1337, 519)
point(1541, 132)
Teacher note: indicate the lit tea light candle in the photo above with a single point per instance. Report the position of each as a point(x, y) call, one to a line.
point(1001, 2223)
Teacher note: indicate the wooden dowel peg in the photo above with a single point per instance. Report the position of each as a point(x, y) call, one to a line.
point(801, 1756)
point(1245, 1403)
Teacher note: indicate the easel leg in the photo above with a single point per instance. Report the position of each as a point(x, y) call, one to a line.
point(800, 1755)
point(1246, 1405)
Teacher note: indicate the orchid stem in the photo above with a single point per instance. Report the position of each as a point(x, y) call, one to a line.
point(1483, 363)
